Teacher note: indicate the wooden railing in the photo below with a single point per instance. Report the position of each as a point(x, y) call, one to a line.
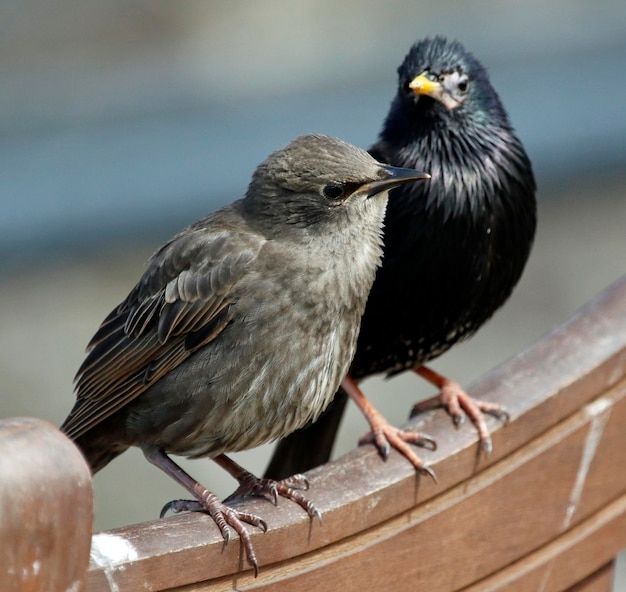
point(546, 511)
point(46, 508)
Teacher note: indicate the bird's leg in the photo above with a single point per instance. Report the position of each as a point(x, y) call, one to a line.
point(224, 517)
point(250, 485)
point(456, 401)
point(384, 435)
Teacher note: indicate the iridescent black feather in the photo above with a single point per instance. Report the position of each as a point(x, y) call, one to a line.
point(454, 247)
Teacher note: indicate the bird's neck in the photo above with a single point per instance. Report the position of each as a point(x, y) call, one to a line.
point(467, 157)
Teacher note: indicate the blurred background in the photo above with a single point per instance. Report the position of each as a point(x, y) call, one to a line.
point(123, 121)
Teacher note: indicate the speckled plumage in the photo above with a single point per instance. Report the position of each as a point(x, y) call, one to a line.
point(219, 307)
point(455, 247)
point(243, 325)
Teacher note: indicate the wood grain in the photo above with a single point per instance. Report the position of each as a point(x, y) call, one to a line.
point(545, 511)
point(599, 581)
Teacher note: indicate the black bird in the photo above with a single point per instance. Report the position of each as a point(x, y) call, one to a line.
point(454, 248)
point(198, 360)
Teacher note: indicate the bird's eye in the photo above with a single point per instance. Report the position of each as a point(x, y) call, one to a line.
point(463, 85)
point(333, 192)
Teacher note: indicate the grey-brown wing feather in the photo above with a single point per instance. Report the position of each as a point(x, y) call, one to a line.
point(182, 302)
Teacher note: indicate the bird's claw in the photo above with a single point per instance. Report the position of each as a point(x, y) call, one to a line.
point(181, 505)
point(386, 436)
point(426, 469)
point(427, 442)
point(379, 439)
point(501, 413)
point(289, 488)
point(458, 420)
point(227, 520)
point(459, 405)
point(297, 481)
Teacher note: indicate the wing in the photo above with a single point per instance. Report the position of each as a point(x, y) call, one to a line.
point(182, 303)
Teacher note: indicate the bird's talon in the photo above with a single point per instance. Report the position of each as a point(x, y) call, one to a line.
point(428, 443)
point(297, 481)
point(270, 489)
point(384, 449)
point(458, 420)
point(181, 505)
point(165, 509)
point(426, 469)
point(502, 414)
point(379, 439)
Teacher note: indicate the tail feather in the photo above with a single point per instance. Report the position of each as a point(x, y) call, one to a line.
point(99, 450)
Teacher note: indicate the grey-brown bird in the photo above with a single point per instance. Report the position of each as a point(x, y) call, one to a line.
point(199, 359)
point(454, 247)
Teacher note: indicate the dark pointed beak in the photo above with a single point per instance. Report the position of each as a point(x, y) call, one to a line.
point(392, 177)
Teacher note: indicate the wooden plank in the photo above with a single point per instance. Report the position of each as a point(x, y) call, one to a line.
point(567, 560)
point(473, 530)
point(552, 472)
point(600, 581)
point(46, 509)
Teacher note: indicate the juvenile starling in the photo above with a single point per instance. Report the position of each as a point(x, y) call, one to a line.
point(199, 359)
point(454, 248)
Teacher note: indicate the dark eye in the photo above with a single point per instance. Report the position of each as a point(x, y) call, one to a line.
point(463, 84)
point(333, 192)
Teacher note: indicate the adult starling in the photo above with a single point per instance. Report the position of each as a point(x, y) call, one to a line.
point(198, 360)
point(454, 248)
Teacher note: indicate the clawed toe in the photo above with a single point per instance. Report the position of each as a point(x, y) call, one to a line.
point(386, 437)
point(226, 518)
point(379, 439)
point(289, 488)
point(460, 405)
point(181, 505)
point(297, 481)
point(498, 412)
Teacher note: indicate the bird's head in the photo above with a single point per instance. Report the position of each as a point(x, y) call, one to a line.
point(443, 77)
point(319, 179)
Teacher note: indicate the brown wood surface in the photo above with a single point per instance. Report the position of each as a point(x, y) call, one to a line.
point(545, 511)
point(46, 513)
point(599, 581)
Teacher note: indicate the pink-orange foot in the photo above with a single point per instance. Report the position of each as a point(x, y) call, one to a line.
point(385, 436)
point(459, 404)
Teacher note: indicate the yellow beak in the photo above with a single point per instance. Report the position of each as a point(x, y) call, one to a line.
point(422, 85)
